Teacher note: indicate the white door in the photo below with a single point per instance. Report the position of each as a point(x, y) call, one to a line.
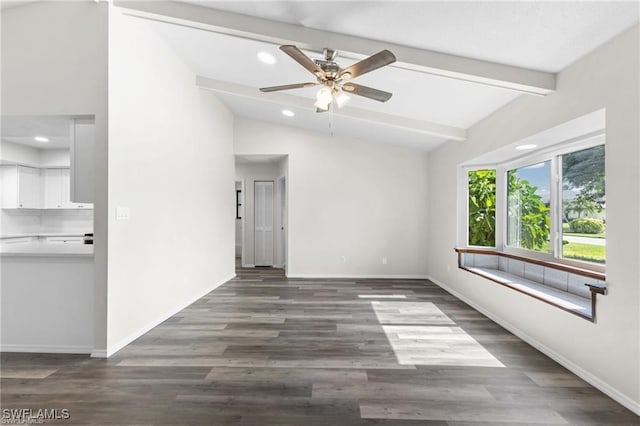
point(263, 201)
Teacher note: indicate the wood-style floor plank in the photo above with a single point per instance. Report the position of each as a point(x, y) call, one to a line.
point(264, 350)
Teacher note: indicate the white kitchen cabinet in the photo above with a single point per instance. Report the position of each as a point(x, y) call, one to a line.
point(21, 187)
point(66, 192)
point(54, 197)
point(82, 163)
point(57, 183)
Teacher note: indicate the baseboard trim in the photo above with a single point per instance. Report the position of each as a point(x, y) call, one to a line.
point(99, 353)
point(248, 265)
point(47, 349)
point(133, 336)
point(595, 381)
point(358, 276)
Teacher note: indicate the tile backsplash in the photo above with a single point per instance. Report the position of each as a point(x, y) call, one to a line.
point(14, 222)
point(67, 220)
point(551, 277)
point(17, 222)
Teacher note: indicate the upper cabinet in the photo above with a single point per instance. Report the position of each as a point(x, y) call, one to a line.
point(33, 188)
point(53, 189)
point(57, 193)
point(82, 163)
point(21, 187)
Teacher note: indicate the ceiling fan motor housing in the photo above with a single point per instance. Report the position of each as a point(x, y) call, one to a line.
point(330, 69)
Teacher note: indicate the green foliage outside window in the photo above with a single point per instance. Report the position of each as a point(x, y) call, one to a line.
point(587, 225)
point(583, 171)
point(531, 214)
point(482, 208)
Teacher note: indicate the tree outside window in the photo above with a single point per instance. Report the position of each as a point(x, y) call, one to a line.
point(583, 205)
point(482, 208)
point(528, 212)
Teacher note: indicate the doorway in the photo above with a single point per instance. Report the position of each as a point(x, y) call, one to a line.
point(264, 182)
point(263, 216)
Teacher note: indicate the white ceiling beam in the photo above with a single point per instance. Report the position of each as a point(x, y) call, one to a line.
point(419, 126)
point(431, 62)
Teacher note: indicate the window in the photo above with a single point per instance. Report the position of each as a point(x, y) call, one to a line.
point(583, 205)
point(528, 207)
point(482, 207)
point(549, 204)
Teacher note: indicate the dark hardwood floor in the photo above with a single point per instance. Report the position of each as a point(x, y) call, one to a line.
point(264, 350)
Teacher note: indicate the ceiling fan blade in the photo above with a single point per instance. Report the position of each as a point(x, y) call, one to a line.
point(287, 87)
point(302, 59)
point(367, 92)
point(369, 64)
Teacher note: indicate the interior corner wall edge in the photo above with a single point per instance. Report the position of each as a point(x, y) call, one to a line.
point(351, 202)
point(608, 350)
point(54, 62)
point(171, 165)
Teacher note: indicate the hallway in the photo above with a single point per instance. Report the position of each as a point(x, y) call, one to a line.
point(264, 350)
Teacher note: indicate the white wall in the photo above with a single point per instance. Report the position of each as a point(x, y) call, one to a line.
point(351, 202)
point(55, 158)
point(171, 163)
point(250, 173)
point(13, 153)
point(606, 353)
point(54, 62)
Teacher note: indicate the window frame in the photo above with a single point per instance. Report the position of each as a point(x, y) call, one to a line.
point(552, 153)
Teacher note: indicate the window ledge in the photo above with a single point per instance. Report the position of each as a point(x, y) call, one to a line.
point(569, 288)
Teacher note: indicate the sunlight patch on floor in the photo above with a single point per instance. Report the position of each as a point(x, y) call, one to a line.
point(382, 296)
point(421, 334)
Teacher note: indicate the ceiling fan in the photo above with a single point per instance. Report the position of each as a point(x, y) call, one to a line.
point(336, 81)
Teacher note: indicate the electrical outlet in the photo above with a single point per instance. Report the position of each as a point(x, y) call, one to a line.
point(384, 260)
point(344, 259)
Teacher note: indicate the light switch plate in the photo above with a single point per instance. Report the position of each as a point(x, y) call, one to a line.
point(123, 213)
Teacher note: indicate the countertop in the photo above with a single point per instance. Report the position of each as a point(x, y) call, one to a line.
point(47, 249)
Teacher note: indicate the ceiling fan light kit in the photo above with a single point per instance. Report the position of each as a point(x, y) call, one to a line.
point(335, 81)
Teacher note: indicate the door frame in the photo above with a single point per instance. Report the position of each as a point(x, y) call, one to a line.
point(281, 222)
point(273, 221)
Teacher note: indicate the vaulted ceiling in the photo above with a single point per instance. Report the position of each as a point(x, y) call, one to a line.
point(457, 61)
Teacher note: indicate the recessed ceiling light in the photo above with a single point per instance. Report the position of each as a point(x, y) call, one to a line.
point(525, 147)
point(41, 139)
point(267, 58)
point(288, 113)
